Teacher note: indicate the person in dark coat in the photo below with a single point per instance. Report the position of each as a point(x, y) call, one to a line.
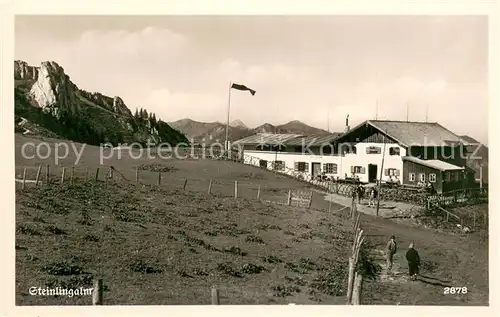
point(413, 261)
point(391, 249)
point(360, 193)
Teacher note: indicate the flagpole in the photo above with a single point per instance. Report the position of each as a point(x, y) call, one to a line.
point(226, 145)
point(381, 173)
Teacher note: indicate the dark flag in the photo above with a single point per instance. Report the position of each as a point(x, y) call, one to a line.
point(243, 87)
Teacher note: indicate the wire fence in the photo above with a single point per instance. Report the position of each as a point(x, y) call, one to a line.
point(50, 174)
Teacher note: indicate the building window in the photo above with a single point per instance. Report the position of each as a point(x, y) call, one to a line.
point(432, 178)
point(422, 177)
point(357, 169)
point(301, 166)
point(411, 177)
point(263, 163)
point(454, 176)
point(279, 165)
point(391, 172)
point(330, 168)
point(347, 148)
point(373, 150)
point(446, 176)
point(394, 151)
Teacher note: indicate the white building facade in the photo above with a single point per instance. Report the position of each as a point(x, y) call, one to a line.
point(364, 163)
point(371, 151)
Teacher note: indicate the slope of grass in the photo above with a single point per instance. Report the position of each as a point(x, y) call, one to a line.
point(167, 246)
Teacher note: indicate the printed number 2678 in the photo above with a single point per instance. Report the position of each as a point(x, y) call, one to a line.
point(455, 290)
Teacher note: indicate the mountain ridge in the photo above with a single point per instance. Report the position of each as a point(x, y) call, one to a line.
point(209, 132)
point(49, 102)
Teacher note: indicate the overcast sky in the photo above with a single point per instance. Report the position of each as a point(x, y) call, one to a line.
point(303, 68)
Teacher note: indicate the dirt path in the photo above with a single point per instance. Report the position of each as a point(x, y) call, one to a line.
point(448, 260)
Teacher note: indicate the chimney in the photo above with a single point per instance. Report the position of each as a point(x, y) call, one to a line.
point(347, 127)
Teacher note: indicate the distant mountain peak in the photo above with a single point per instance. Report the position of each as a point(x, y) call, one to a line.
point(237, 124)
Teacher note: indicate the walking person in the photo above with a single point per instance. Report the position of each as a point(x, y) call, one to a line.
point(413, 261)
point(391, 250)
point(360, 193)
point(372, 197)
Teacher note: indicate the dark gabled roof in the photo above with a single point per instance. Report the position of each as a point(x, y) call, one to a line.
point(413, 133)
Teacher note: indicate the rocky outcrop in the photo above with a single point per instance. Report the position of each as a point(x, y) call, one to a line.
point(53, 91)
point(120, 107)
point(22, 71)
point(114, 104)
point(80, 115)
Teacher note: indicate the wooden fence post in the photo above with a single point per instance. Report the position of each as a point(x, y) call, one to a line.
point(159, 178)
point(24, 179)
point(258, 193)
point(210, 187)
point(310, 200)
point(350, 279)
point(71, 176)
point(185, 184)
point(481, 176)
point(474, 223)
point(63, 174)
point(215, 296)
point(356, 290)
point(47, 174)
point(86, 174)
point(97, 174)
point(98, 292)
point(235, 189)
point(38, 174)
point(137, 175)
point(289, 200)
point(356, 224)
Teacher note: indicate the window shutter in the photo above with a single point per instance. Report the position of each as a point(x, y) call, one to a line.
point(296, 166)
point(307, 167)
point(363, 170)
point(352, 169)
point(324, 167)
point(386, 172)
point(397, 172)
